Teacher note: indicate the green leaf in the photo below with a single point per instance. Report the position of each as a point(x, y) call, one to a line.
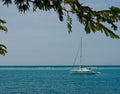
point(69, 26)
point(108, 32)
point(87, 29)
point(4, 28)
point(2, 21)
point(3, 49)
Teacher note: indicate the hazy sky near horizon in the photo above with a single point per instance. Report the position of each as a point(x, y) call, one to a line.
point(39, 38)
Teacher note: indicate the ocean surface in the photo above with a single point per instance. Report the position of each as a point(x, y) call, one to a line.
point(58, 80)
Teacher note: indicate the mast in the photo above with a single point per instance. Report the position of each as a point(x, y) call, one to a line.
point(81, 53)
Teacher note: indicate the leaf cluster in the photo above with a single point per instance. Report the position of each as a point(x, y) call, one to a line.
point(2, 27)
point(92, 20)
point(3, 48)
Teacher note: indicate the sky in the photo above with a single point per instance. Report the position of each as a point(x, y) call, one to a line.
point(39, 38)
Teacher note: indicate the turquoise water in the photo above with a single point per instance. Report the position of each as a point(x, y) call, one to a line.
point(58, 80)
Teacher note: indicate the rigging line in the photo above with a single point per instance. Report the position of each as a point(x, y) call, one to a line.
point(79, 50)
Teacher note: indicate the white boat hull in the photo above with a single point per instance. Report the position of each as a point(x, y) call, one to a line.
point(82, 71)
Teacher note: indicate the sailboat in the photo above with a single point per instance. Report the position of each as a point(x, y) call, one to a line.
point(81, 69)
